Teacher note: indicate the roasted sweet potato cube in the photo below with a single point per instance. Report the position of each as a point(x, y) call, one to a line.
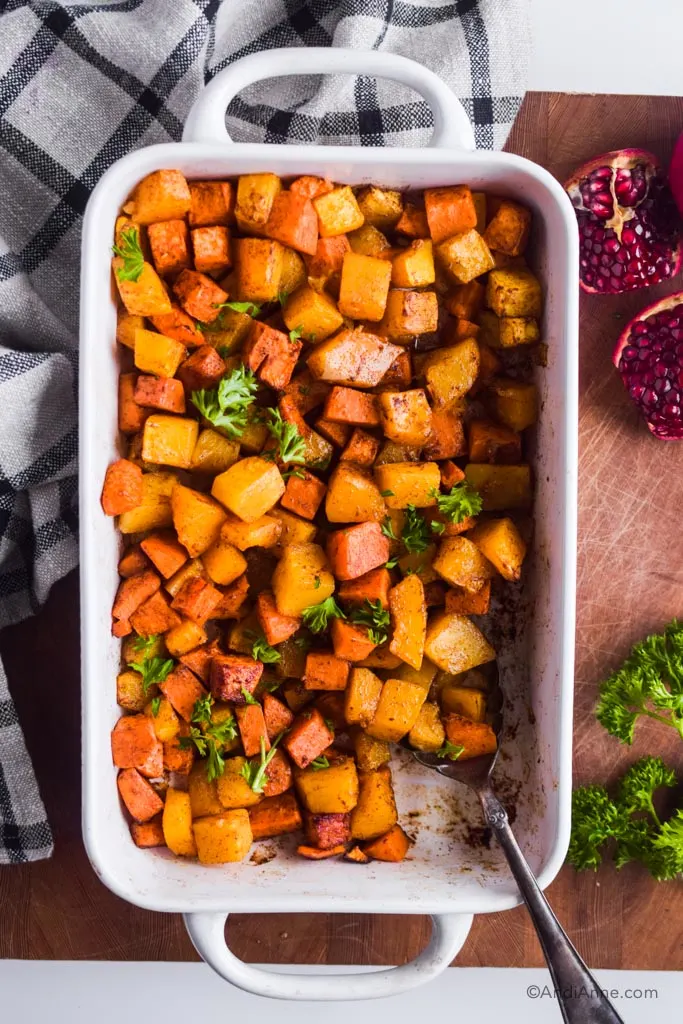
point(500, 542)
point(211, 248)
point(391, 847)
point(197, 600)
point(356, 856)
point(447, 439)
point(126, 326)
point(164, 552)
point(188, 571)
point(293, 221)
point(413, 222)
point(317, 451)
point(164, 393)
point(276, 627)
point(133, 592)
point(178, 325)
point(315, 853)
point(197, 519)
point(303, 494)
point(155, 508)
point(500, 487)
point(252, 728)
point(169, 242)
point(308, 737)
point(451, 474)
point(326, 831)
point(410, 312)
point(449, 210)
point(514, 292)
point(457, 330)
point(406, 416)
point(508, 229)
point(408, 483)
point(455, 644)
point(134, 745)
point(356, 550)
point(466, 301)
point(328, 258)
point(518, 330)
point(464, 602)
point(338, 211)
point(278, 775)
point(346, 405)
point(337, 433)
point(233, 673)
point(275, 816)
point(490, 442)
point(364, 287)
point(476, 737)
point(157, 354)
point(372, 586)
point(161, 195)
point(255, 196)
point(277, 716)
point(122, 489)
point(249, 488)
point(259, 268)
point(353, 357)
point(131, 415)
point(325, 671)
point(450, 372)
point(141, 800)
point(353, 496)
point(351, 642)
point(148, 834)
point(199, 660)
point(271, 354)
point(361, 449)
point(132, 562)
point(414, 267)
point(310, 186)
point(211, 202)
point(462, 564)
point(465, 256)
point(199, 295)
point(154, 616)
point(330, 704)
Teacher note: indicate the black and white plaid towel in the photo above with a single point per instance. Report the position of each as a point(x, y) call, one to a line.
point(81, 84)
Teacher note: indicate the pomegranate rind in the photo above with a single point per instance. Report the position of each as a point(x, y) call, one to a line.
point(676, 173)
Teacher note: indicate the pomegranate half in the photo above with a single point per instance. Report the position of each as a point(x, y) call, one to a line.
point(649, 357)
point(629, 227)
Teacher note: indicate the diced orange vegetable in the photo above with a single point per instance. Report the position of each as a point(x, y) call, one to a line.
point(271, 354)
point(161, 195)
point(154, 616)
point(169, 242)
point(202, 370)
point(165, 393)
point(330, 704)
point(413, 222)
point(293, 221)
point(346, 405)
point(372, 586)
point(211, 202)
point(134, 745)
point(328, 831)
point(356, 856)
point(199, 295)
point(278, 775)
point(276, 627)
point(184, 638)
point(122, 490)
point(391, 847)
point(131, 415)
point(463, 602)
point(325, 671)
point(147, 835)
point(178, 758)
point(328, 257)
point(350, 641)
point(199, 660)
point(164, 552)
point(178, 325)
point(233, 597)
point(275, 816)
point(364, 286)
point(337, 433)
point(182, 689)
point(508, 228)
point(211, 247)
point(362, 448)
point(308, 737)
point(252, 728)
point(400, 373)
point(458, 329)
point(450, 211)
point(310, 187)
point(490, 442)
point(303, 494)
point(132, 562)
point(313, 853)
point(447, 440)
point(476, 737)
point(197, 600)
point(133, 592)
point(356, 550)
point(141, 800)
point(466, 301)
point(305, 392)
point(231, 674)
point(278, 718)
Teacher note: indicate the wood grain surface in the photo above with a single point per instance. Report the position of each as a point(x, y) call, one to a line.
point(630, 582)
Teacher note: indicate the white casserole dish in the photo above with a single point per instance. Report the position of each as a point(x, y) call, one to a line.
point(444, 876)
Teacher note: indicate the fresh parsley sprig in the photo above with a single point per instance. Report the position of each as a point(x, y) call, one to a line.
point(152, 670)
point(208, 736)
point(317, 616)
point(261, 650)
point(250, 308)
point(319, 764)
point(145, 644)
point(255, 772)
point(387, 528)
point(227, 405)
point(461, 502)
point(450, 750)
point(377, 619)
point(131, 253)
point(249, 698)
point(291, 445)
point(415, 533)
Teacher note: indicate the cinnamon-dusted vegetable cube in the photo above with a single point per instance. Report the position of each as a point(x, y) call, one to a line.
point(277, 716)
point(133, 592)
point(293, 273)
point(228, 331)
point(330, 704)
point(356, 856)
point(301, 578)
point(413, 222)
point(408, 620)
point(154, 353)
point(455, 644)
point(466, 301)
point(131, 416)
point(375, 813)
point(500, 542)
point(314, 853)
point(514, 403)
point(518, 330)
point(154, 616)
point(465, 256)
point(400, 373)
point(364, 286)
point(141, 800)
point(211, 202)
point(197, 519)
point(333, 790)
point(382, 208)
point(148, 834)
point(263, 532)
point(199, 660)
point(464, 602)
point(457, 330)
point(126, 326)
point(353, 496)
point(356, 550)
point(178, 325)
point(328, 257)
point(293, 221)
point(406, 416)
point(465, 701)
point(396, 713)
point(345, 405)
point(233, 789)
point(169, 242)
point(369, 241)
point(252, 728)
point(224, 562)
point(214, 453)
point(476, 737)
point(294, 530)
point(370, 753)
point(352, 357)
point(132, 562)
point(447, 439)
point(451, 372)
point(309, 186)
point(450, 211)
point(500, 487)
point(165, 393)
point(276, 627)
point(414, 267)
point(408, 483)
point(196, 600)
point(199, 295)
point(361, 449)
point(161, 195)
point(326, 831)
point(177, 823)
point(191, 569)
point(259, 268)
point(312, 313)
point(155, 507)
point(338, 211)
point(232, 600)
point(481, 202)
point(250, 488)
point(164, 551)
point(428, 733)
point(255, 196)
point(275, 816)
point(391, 847)
point(278, 775)
point(362, 696)
point(303, 494)
point(271, 354)
point(122, 489)
point(490, 442)
point(232, 673)
point(178, 758)
point(184, 638)
point(325, 671)
point(308, 737)
point(451, 474)
point(144, 297)
point(211, 247)
point(202, 792)
point(134, 745)
point(462, 564)
point(351, 642)
point(372, 586)
point(513, 292)
point(317, 451)
point(410, 312)
point(169, 440)
point(337, 433)
point(508, 229)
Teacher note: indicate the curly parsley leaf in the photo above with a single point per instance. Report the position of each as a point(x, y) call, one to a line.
point(461, 502)
point(250, 308)
point(254, 772)
point(156, 704)
point(291, 445)
point(261, 650)
point(319, 764)
point(376, 618)
point(297, 472)
point(227, 405)
point(209, 736)
point(387, 528)
point(295, 334)
point(131, 253)
point(248, 697)
point(640, 782)
point(415, 535)
point(145, 644)
point(317, 616)
point(152, 670)
point(450, 750)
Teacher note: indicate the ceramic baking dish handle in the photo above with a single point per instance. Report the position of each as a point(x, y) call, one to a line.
point(449, 932)
point(206, 120)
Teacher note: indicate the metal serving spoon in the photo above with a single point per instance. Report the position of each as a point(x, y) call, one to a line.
point(578, 994)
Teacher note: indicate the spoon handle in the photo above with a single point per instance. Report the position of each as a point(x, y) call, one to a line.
point(577, 992)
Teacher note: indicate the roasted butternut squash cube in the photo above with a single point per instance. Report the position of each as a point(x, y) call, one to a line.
point(263, 532)
point(293, 272)
point(375, 813)
point(428, 733)
point(410, 312)
point(223, 838)
point(214, 453)
point(177, 823)
point(338, 212)
point(500, 542)
point(311, 313)
point(414, 267)
point(364, 287)
point(461, 563)
point(324, 266)
point(501, 487)
point(197, 519)
point(450, 211)
point(464, 602)
point(255, 196)
point(518, 330)
point(228, 331)
point(293, 529)
point(408, 620)
point(466, 300)
point(490, 442)
point(154, 509)
point(514, 403)
point(455, 644)
point(301, 578)
point(408, 483)
point(202, 792)
point(514, 291)
point(154, 353)
point(465, 256)
point(169, 440)
point(232, 788)
point(477, 738)
point(370, 753)
point(420, 562)
point(406, 416)
point(353, 496)
point(381, 207)
point(161, 195)
point(463, 701)
point(354, 357)
point(413, 222)
point(126, 326)
point(422, 676)
point(489, 328)
point(184, 638)
point(369, 241)
point(223, 562)
point(399, 705)
point(451, 372)
point(332, 791)
point(259, 264)
point(508, 229)
point(250, 488)
point(192, 569)
point(144, 297)
point(361, 696)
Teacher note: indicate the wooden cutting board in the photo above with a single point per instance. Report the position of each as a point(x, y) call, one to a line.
point(630, 583)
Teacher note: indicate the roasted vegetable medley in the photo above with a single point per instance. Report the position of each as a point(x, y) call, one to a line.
point(323, 401)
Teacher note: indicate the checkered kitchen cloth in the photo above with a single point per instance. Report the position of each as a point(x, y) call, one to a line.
point(81, 84)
